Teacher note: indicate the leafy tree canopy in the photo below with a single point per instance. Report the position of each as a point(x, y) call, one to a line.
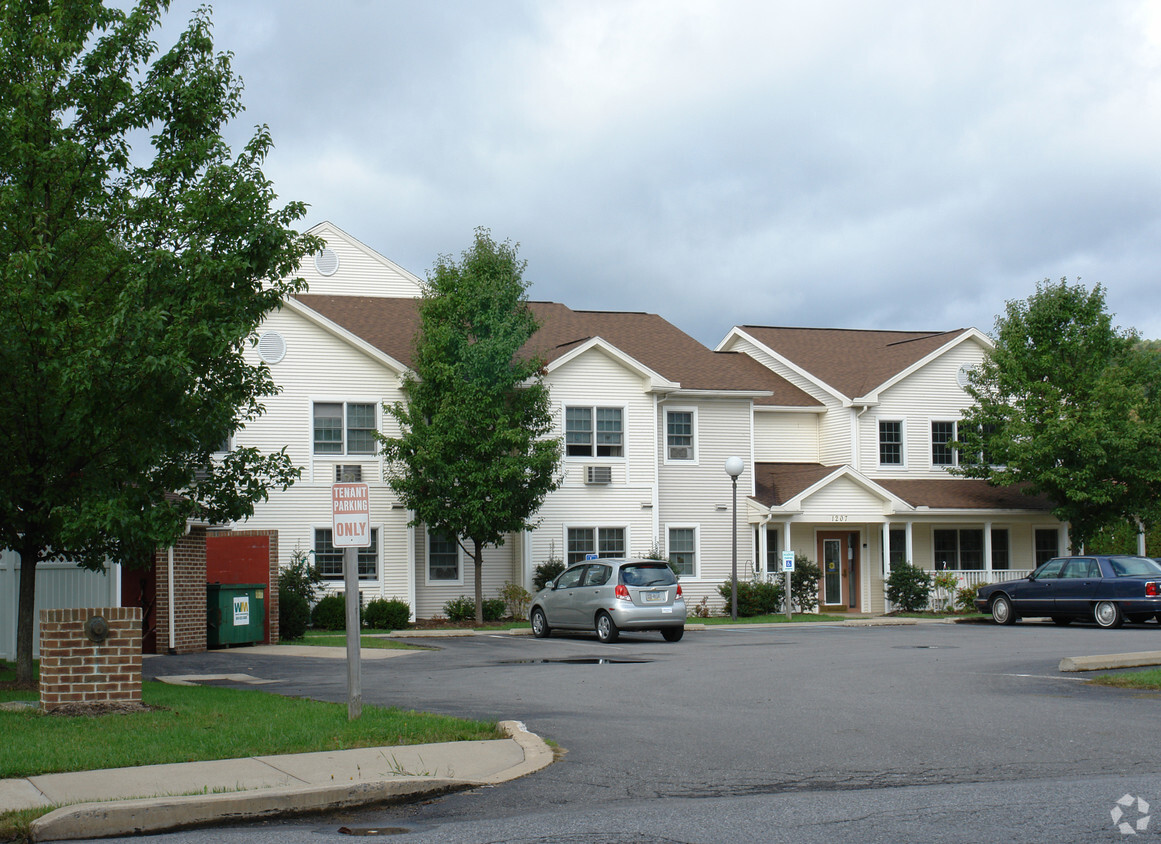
point(473, 460)
point(1069, 405)
point(138, 255)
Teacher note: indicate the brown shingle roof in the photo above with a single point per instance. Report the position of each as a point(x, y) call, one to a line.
point(854, 362)
point(777, 483)
point(390, 325)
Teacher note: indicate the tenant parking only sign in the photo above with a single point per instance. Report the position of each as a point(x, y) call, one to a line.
point(351, 516)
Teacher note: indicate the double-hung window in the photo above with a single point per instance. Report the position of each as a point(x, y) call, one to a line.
point(682, 551)
point(959, 549)
point(602, 541)
point(679, 442)
point(344, 428)
point(443, 558)
point(942, 436)
point(890, 443)
point(329, 559)
point(594, 432)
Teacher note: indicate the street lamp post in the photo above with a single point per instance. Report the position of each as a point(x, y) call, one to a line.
point(734, 467)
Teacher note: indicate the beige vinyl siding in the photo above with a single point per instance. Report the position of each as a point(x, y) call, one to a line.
point(833, 446)
point(500, 566)
point(361, 272)
point(928, 394)
point(595, 380)
point(840, 502)
point(691, 494)
point(784, 437)
point(320, 367)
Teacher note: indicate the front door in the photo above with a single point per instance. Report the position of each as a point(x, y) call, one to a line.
point(838, 559)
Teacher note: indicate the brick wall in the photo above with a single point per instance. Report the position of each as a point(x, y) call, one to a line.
point(269, 575)
point(189, 594)
point(75, 670)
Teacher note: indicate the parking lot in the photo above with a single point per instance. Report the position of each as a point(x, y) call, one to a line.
point(767, 717)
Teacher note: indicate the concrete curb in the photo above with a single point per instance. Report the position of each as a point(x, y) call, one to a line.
point(161, 814)
point(1101, 662)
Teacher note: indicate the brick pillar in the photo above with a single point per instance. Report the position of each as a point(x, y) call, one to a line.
point(189, 594)
point(76, 670)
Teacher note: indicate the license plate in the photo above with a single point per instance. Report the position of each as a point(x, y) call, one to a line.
point(654, 597)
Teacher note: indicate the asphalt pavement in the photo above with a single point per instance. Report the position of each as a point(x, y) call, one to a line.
point(150, 799)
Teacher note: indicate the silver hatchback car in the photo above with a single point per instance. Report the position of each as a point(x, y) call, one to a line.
point(608, 596)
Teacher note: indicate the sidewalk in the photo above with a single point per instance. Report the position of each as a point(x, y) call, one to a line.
point(155, 798)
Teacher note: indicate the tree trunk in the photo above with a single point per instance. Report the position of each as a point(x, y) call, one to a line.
point(26, 613)
point(479, 558)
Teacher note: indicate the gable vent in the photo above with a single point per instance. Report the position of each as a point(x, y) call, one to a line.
point(271, 347)
point(350, 473)
point(595, 475)
point(326, 262)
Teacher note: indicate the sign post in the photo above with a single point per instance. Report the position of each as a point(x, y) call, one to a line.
point(351, 530)
point(788, 570)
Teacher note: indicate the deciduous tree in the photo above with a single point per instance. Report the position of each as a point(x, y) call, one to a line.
point(138, 256)
point(473, 459)
point(1070, 406)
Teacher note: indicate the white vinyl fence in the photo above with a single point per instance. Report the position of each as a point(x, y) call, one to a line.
point(59, 585)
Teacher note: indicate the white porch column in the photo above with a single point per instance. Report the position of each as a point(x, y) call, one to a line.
point(761, 551)
point(910, 544)
point(886, 550)
point(987, 546)
point(1140, 538)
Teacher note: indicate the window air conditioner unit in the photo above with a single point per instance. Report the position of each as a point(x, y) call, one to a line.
point(681, 452)
point(598, 475)
point(348, 474)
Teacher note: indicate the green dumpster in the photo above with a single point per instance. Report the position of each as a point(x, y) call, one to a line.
point(235, 613)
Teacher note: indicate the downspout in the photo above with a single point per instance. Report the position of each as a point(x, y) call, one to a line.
point(171, 591)
point(858, 414)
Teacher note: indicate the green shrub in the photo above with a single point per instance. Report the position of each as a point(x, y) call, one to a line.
point(494, 609)
point(804, 584)
point(944, 585)
point(546, 572)
point(459, 609)
point(330, 613)
point(965, 598)
point(384, 614)
point(516, 600)
point(754, 598)
point(297, 585)
point(908, 588)
point(293, 616)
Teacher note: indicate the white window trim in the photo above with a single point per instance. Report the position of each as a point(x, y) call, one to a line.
point(594, 457)
point(902, 464)
point(337, 584)
point(597, 527)
point(931, 442)
point(696, 577)
point(665, 436)
point(376, 403)
point(427, 578)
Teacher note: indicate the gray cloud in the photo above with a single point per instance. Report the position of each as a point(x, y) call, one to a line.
point(906, 165)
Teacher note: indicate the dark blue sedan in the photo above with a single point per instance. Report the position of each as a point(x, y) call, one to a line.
point(1109, 590)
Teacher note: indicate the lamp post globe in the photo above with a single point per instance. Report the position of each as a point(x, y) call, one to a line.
point(734, 467)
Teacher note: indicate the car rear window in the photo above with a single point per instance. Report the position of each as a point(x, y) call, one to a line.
point(1134, 566)
point(647, 574)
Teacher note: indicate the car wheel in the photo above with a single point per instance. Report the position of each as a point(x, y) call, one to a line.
point(1002, 612)
point(540, 628)
point(1108, 614)
point(673, 634)
point(607, 628)
point(1062, 620)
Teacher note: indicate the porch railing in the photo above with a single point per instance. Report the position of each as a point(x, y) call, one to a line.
point(970, 579)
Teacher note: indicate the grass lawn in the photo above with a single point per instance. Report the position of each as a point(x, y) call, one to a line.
point(1150, 679)
point(338, 639)
point(192, 723)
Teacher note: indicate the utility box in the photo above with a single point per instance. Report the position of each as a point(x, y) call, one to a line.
point(234, 613)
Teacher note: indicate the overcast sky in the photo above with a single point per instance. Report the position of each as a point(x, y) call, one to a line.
point(898, 165)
